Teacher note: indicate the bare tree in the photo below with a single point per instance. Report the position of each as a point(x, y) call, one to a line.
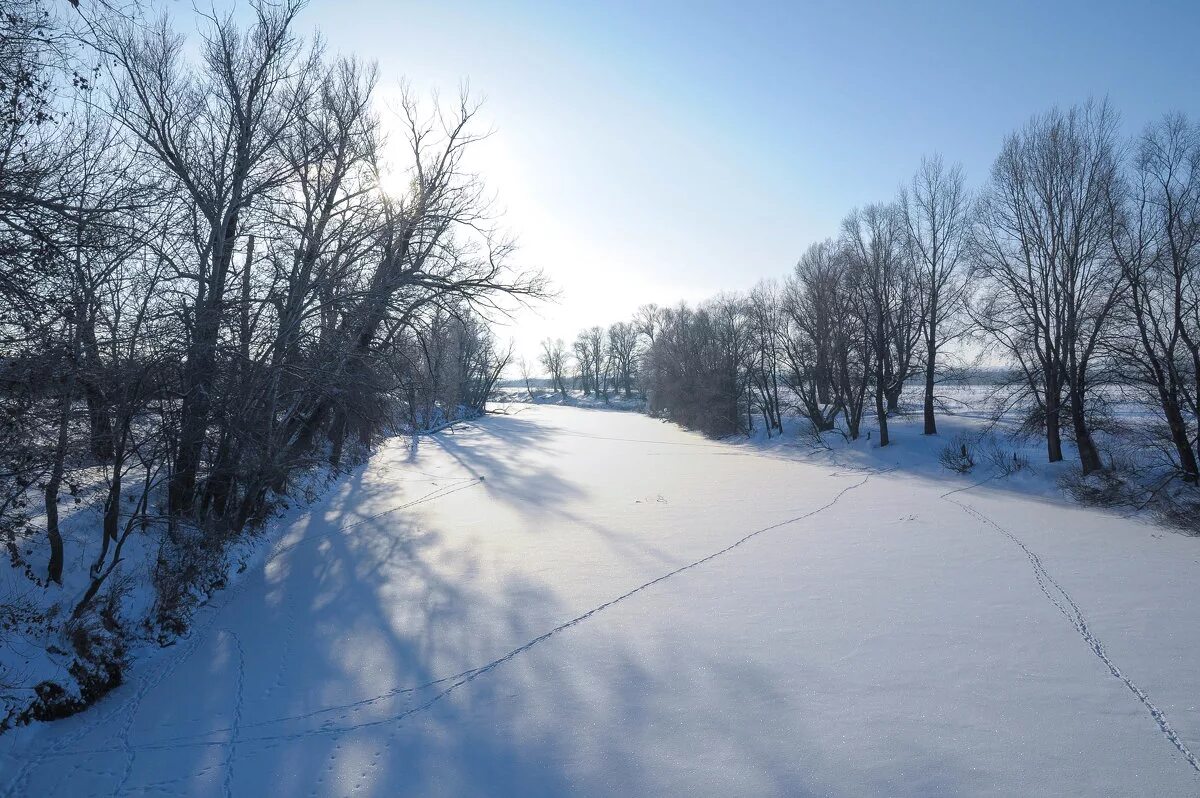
point(648, 320)
point(554, 361)
point(526, 376)
point(1156, 242)
point(697, 369)
point(1043, 244)
point(936, 212)
point(767, 327)
point(820, 340)
point(623, 354)
point(215, 132)
point(434, 245)
point(595, 346)
point(585, 367)
point(204, 289)
point(884, 285)
point(323, 228)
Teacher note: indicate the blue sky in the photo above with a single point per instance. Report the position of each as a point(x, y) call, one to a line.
point(667, 151)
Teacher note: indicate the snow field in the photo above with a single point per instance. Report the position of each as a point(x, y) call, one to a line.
point(563, 606)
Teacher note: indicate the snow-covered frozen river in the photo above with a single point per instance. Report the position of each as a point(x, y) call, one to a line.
point(550, 602)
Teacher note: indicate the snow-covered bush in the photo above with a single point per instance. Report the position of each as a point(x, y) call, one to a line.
point(189, 566)
point(97, 644)
point(958, 455)
point(1006, 461)
point(1180, 508)
point(1105, 488)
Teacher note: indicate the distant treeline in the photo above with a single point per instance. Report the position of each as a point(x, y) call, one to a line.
point(1077, 264)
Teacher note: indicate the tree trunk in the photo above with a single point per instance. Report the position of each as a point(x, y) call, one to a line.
point(220, 482)
point(98, 576)
point(112, 515)
point(930, 371)
point(821, 374)
point(1053, 430)
point(192, 428)
point(893, 397)
point(1089, 456)
point(244, 309)
point(100, 429)
point(1179, 437)
point(200, 370)
point(882, 413)
point(853, 408)
point(55, 568)
point(337, 437)
point(99, 424)
point(775, 400)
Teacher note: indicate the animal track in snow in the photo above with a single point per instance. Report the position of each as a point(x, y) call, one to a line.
point(1061, 599)
point(468, 676)
point(231, 752)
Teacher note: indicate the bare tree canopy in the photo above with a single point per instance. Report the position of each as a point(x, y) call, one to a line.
point(937, 220)
point(1043, 247)
point(224, 295)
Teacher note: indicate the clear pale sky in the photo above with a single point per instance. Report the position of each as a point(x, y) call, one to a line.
point(669, 151)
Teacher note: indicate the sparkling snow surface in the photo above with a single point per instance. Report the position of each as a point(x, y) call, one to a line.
point(896, 642)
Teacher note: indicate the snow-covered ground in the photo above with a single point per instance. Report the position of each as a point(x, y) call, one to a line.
point(568, 601)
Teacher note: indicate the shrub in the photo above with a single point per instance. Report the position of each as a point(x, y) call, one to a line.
point(958, 455)
point(1006, 462)
point(99, 641)
point(190, 565)
point(1181, 509)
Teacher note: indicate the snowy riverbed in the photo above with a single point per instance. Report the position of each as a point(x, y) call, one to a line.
point(572, 601)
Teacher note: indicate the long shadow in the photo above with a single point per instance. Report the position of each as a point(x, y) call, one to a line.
point(326, 672)
point(497, 448)
point(337, 636)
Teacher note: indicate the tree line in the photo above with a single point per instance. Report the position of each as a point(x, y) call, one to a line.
point(1075, 266)
point(203, 287)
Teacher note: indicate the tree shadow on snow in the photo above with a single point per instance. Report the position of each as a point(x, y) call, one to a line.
point(350, 662)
